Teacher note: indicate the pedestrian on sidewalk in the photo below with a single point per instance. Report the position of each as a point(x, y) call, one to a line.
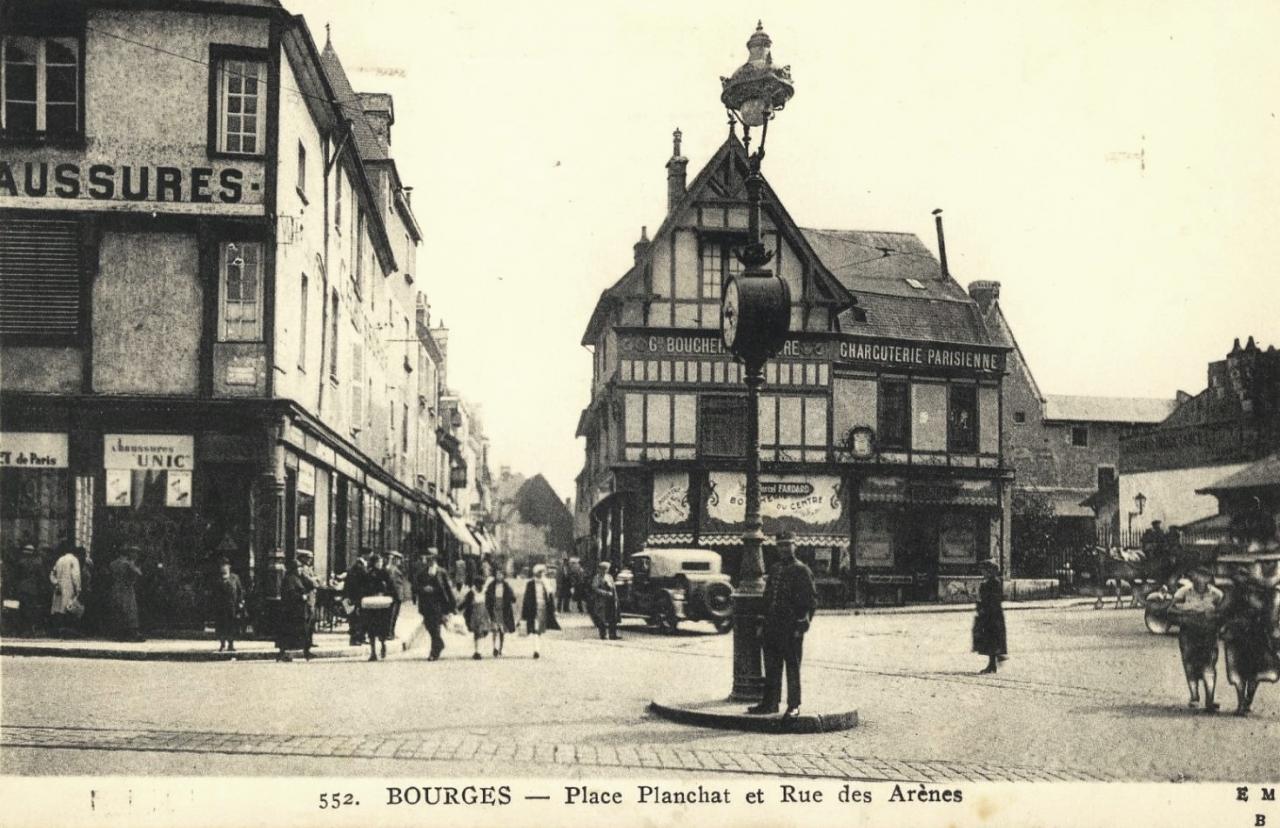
point(401, 587)
point(790, 599)
point(228, 606)
point(293, 623)
point(436, 600)
point(538, 611)
point(306, 570)
point(476, 614)
point(123, 601)
point(604, 605)
point(500, 603)
point(989, 637)
point(90, 591)
point(66, 608)
point(1247, 625)
point(375, 607)
point(1195, 606)
point(353, 591)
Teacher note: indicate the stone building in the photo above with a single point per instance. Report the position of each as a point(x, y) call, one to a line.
point(209, 321)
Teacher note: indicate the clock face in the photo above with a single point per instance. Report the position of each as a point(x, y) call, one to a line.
point(729, 313)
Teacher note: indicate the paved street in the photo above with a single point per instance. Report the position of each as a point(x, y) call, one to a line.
point(1087, 695)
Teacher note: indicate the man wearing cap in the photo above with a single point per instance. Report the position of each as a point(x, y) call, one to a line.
point(790, 599)
point(604, 596)
point(436, 600)
point(354, 589)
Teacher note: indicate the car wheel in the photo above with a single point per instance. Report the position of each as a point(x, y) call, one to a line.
point(724, 625)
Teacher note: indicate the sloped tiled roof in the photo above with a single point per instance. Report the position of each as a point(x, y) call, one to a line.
point(367, 144)
point(1107, 409)
point(1264, 473)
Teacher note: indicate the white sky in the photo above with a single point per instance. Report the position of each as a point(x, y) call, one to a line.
point(535, 138)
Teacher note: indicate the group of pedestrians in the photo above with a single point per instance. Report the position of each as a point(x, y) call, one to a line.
point(1245, 618)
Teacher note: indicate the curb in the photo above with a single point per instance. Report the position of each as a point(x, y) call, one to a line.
point(24, 650)
point(805, 723)
point(930, 609)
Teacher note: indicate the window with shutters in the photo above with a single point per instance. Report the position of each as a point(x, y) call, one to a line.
point(722, 426)
point(240, 316)
point(357, 385)
point(40, 279)
point(40, 87)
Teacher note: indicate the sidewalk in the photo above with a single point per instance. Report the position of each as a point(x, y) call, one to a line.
point(915, 609)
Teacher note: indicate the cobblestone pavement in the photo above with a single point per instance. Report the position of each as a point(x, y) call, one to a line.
point(458, 749)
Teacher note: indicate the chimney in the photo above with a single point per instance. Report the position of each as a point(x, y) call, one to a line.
point(942, 243)
point(641, 247)
point(380, 114)
point(985, 293)
point(676, 168)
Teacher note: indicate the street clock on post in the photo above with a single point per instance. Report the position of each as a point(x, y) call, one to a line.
point(755, 315)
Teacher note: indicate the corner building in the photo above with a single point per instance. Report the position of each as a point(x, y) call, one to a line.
point(209, 329)
point(882, 339)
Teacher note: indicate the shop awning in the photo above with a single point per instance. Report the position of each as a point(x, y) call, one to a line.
point(940, 492)
point(727, 539)
point(460, 532)
point(485, 544)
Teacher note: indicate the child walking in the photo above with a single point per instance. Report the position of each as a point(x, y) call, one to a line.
point(476, 613)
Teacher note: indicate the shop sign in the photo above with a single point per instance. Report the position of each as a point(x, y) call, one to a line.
point(910, 354)
point(306, 478)
point(242, 373)
point(671, 497)
point(128, 182)
point(33, 450)
point(813, 500)
point(158, 452)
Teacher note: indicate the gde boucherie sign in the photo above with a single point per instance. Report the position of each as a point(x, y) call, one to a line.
point(836, 348)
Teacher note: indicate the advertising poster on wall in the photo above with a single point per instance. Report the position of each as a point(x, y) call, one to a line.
point(119, 487)
point(804, 504)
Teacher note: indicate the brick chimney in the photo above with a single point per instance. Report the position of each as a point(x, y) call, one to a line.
point(641, 248)
point(676, 170)
point(985, 293)
point(380, 114)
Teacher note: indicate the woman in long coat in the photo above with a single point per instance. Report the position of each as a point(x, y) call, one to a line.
point(988, 625)
point(500, 603)
point(538, 609)
point(293, 627)
point(228, 605)
point(1247, 621)
point(379, 586)
point(123, 600)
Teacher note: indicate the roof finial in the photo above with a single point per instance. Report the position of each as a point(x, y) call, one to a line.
point(675, 143)
point(327, 41)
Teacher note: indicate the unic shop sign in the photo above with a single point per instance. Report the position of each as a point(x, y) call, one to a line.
point(153, 452)
point(111, 182)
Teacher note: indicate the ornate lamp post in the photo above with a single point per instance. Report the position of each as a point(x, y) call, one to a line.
point(755, 321)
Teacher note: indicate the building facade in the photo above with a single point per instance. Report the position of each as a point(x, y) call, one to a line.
point(209, 302)
point(883, 342)
point(1064, 449)
point(1212, 450)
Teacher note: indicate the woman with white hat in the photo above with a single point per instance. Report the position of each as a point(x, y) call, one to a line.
point(538, 609)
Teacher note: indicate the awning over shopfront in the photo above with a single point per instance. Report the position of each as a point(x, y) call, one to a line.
point(484, 542)
point(458, 529)
point(941, 492)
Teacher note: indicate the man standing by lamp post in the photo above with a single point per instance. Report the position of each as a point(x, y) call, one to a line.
point(755, 321)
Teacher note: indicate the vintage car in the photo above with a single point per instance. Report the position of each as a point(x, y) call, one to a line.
point(667, 586)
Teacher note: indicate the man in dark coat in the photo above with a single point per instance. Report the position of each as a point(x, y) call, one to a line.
point(355, 587)
point(436, 601)
point(604, 602)
point(790, 598)
point(401, 587)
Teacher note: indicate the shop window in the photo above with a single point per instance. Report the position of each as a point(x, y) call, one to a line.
point(962, 418)
point(39, 279)
point(240, 104)
point(958, 537)
point(1080, 436)
point(33, 508)
point(874, 539)
point(894, 427)
point(41, 87)
point(241, 292)
point(723, 422)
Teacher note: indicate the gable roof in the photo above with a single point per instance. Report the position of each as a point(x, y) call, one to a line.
point(366, 141)
point(872, 266)
point(1107, 409)
point(1263, 474)
point(1001, 332)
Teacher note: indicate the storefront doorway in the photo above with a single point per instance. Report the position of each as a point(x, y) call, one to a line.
point(919, 554)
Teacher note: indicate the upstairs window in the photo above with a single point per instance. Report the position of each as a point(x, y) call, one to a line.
point(302, 171)
point(241, 292)
point(1080, 436)
point(894, 427)
point(719, 261)
point(39, 279)
point(722, 426)
point(962, 418)
point(40, 86)
point(241, 97)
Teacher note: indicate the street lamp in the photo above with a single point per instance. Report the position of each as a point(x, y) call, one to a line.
point(755, 320)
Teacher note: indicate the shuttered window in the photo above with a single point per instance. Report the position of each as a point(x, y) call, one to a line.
point(39, 277)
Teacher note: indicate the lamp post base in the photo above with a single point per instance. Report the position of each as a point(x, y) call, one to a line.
point(748, 677)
